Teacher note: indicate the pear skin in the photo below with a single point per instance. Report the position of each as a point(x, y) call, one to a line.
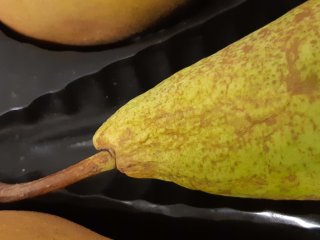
point(244, 122)
point(84, 23)
point(27, 225)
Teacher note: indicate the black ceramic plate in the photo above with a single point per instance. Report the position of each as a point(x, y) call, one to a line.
point(28, 69)
point(55, 131)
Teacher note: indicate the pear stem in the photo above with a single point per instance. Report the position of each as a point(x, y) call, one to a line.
point(98, 163)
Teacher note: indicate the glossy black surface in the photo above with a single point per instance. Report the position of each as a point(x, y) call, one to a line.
point(29, 69)
point(55, 131)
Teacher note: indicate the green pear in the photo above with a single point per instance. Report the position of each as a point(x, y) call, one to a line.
point(244, 122)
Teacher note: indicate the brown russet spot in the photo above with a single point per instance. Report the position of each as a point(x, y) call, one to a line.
point(295, 84)
point(264, 32)
point(295, 135)
point(242, 131)
point(291, 178)
point(247, 48)
point(205, 123)
point(259, 180)
point(266, 148)
point(306, 87)
point(228, 56)
point(271, 120)
point(287, 37)
point(306, 12)
point(253, 180)
point(268, 139)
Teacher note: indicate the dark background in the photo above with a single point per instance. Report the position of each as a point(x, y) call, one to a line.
point(52, 99)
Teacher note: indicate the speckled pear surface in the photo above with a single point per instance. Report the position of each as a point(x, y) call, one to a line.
point(243, 122)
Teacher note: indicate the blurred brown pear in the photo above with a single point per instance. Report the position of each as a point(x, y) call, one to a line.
point(25, 225)
point(75, 22)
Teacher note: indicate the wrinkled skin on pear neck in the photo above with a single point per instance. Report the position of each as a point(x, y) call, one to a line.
point(244, 122)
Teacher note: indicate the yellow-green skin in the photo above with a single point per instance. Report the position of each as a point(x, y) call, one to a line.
point(243, 122)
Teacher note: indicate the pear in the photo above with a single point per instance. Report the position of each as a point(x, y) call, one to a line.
point(84, 23)
point(27, 225)
point(244, 122)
